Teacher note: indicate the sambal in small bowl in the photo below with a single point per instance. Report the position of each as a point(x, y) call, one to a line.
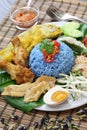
point(25, 17)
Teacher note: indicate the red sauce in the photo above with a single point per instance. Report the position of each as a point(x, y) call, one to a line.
point(25, 16)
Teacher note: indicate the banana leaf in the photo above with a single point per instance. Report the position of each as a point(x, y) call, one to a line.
point(5, 80)
point(18, 103)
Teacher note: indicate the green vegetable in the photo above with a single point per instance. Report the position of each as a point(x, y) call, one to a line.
point(19, 104)
point(71, 29)
point(73, 25)
point(73, 33)
point(47, 45)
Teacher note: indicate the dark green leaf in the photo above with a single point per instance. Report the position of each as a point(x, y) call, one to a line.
point(5, 80)
point(83, 28)
point(19, 103)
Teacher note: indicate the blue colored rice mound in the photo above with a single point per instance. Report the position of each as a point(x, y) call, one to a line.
point(62, 64)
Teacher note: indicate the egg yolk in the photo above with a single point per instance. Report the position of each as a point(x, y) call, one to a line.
point(59, 96)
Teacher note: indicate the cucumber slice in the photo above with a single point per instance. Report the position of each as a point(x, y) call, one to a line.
point(73, 33)
point(71, 29)
point(71, 25)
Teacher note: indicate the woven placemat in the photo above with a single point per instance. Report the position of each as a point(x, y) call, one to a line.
point(82, 2)
point(7, 32)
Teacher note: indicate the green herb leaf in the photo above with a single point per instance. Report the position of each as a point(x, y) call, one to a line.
point(47, 45)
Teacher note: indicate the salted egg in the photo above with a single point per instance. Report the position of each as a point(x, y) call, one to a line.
point(55, 96)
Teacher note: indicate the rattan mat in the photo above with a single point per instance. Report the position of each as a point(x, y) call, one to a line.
point(7, 31)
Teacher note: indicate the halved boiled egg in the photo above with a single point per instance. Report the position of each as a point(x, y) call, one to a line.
point(56, 95)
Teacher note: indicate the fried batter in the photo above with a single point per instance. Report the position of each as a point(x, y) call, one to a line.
point(19, 73)
point(20, 53)
point(32, 37)
point(37, 33)
point(16, 90)
point(31, 91)
point(49, 79)
point(42, 84)
point(35, 92)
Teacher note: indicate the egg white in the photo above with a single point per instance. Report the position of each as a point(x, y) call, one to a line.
point(47, 97)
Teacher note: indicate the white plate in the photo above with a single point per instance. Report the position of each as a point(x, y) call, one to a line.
point(70, 103)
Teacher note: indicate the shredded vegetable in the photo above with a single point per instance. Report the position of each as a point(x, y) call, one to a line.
point(74, 82)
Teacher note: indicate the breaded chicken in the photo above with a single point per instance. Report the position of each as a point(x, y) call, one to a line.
point(16, 90)
point(19, 73)
point(20, 53)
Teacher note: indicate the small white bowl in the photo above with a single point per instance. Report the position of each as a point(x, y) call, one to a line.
point(25, 24)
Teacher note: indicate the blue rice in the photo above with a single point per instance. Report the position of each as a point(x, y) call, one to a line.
point(62, 63)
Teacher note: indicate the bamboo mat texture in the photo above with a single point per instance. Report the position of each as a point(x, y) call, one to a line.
point(7, 32)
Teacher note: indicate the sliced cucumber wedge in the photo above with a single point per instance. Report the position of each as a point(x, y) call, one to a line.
point(73, 33)
point(71, 25)
point(71, 29)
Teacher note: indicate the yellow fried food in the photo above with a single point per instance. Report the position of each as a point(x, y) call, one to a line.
point(32, 37)
point(7, 53)
point(20, 53)
point(16, 90)
point(31, 91)
point(18, 73)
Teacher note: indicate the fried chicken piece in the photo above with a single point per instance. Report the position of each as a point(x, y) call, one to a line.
point(19, 73)
point(49, 79)
point(36, 91)
point(16, 90)
point(20, 53)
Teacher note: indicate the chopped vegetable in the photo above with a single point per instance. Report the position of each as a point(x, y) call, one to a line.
point(73, 81)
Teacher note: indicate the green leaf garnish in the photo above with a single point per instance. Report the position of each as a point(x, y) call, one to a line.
point(47, 45)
